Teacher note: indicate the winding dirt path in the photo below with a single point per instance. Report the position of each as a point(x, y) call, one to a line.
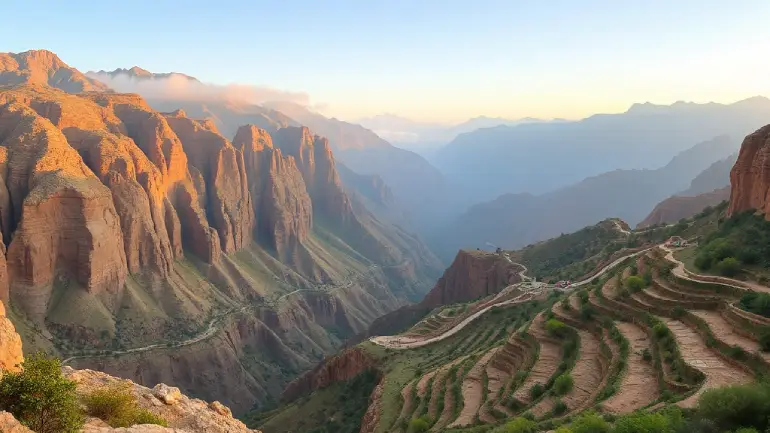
point(473, 390)
point(696, 354)
point(680, 271)
point(639, 386)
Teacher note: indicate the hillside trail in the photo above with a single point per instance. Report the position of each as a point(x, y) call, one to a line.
point(530, 289)
point(681, 272)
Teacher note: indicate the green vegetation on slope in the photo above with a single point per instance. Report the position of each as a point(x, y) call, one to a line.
point(40, 397)
point(739, 245)
point(336, 409)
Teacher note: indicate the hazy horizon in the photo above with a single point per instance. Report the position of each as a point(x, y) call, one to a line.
point(427, 61)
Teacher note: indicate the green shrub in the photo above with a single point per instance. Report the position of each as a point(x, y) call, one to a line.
point(590, 423)
point(633, 284)
point(519, 425)
point(559, 407)
point(646, 355)
point(757, 303)
point(643, 423)
point(729, 267)
point(536, 391)
point(418, 425)
point(660, 330)
point(764, 339)
point(557, 328)
point(736, 406)
point(117, 406)
point(563, 384)
point(40, 397)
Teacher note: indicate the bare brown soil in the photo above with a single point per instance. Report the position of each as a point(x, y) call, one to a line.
point(639, 386)
point(696, 354)
point(473, 390)
point(725, 332)
point(546, 364)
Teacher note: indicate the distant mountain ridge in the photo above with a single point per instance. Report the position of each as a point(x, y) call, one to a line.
point(514, 220)
point(541, 157)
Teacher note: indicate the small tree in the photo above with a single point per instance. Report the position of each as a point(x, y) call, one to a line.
point(418, 425)
point(520, 425)
point(40, 397)
point(563, 384)
point(729, 267)
point(556, 328)
point(590, 423)
point(634, 284)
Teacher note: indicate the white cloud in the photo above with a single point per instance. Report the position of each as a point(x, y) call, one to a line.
point(182, 87)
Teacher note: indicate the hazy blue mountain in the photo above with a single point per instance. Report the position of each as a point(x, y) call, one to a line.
point(541, 157)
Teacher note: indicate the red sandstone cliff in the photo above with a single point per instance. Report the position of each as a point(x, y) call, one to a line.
point(749, 178)
point(344, 366)
point(473, 274)
point(123, 226)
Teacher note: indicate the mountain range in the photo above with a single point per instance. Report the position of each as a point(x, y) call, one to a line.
point(416, 185)
point(131, 228)
point(537, 158)
point(515, 220)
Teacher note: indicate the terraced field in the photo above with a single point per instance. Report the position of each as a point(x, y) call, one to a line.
point(623, 348)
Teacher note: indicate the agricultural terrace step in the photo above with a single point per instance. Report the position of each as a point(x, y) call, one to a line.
point(724, 331)
point(696, 354)
point(639, 384)
point(473, 391)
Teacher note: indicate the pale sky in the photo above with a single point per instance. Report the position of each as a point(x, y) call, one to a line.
point(441, 60)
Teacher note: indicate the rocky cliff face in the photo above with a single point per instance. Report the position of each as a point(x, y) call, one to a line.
point(124, 227)
point(341, 367)
point(750, 187)
point(44, 67)
point(675, 208)
point(10, 344)
point(472, 275)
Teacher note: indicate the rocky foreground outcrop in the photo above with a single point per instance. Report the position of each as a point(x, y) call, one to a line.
point(750, 176)
point(675, 208)
point(182, 413)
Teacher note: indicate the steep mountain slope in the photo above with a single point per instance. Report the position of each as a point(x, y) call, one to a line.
point(44, 67)
point(139, 240)
point(414, 182)
point(717, 176)
point(709, 188)
point(512, 221)
point(537, 158)
point(677, 207)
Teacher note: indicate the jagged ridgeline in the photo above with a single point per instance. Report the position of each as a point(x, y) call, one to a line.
point(150, 246)
point(639, 329)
